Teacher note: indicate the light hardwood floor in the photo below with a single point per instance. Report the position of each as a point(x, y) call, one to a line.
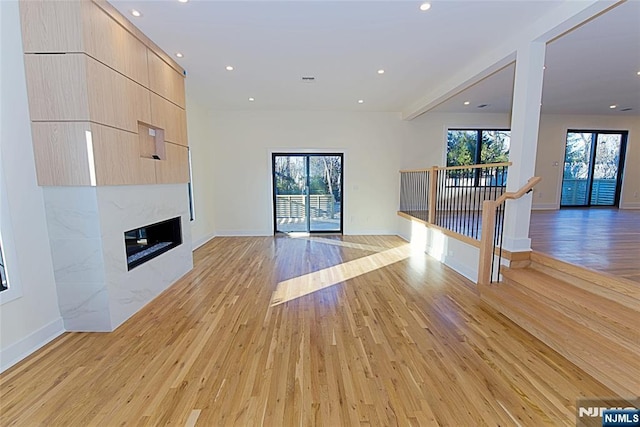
point(402, 341)
point(601, 239)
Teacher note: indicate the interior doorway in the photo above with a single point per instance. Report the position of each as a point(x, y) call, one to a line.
point(593, 167)
point(307, 192)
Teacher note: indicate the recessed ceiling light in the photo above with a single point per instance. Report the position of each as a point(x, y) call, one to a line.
point(251, 99)
point(425, 6)
point(360, 101)
point(380, 71)
point(229, 68)
point(638, 73)
point(466, 103)
point(183, 1)
point(136, 13)
point(612, 106)
point(179, 55)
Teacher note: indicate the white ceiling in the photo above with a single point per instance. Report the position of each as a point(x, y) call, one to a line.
point(272, 44)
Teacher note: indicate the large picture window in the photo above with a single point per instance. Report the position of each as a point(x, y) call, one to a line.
point(477, 146)
point(467, 147)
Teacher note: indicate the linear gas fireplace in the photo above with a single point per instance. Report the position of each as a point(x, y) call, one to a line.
point(146, 243)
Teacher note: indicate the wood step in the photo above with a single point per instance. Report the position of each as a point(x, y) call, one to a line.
point(609, 318)
point(614, 365)
point(618, 289)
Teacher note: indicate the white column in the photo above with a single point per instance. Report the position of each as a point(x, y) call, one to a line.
point(525, 119)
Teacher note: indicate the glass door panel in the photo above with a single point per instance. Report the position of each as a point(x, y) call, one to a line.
point(605, 171)
point(577, 169)
point(593, 168)
point(290, 193)
point(307, 192)
point(325, 193)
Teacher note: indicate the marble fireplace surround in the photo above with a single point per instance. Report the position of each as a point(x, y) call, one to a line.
point(96, 291)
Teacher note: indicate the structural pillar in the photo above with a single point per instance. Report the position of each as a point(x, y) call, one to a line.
point(525, 120)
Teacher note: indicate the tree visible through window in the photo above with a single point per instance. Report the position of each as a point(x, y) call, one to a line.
point(477, 146)
point(4, 285)
point(467, 147)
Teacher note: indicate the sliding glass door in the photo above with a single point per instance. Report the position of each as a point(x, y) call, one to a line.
point(593, 168)
point(307, 192)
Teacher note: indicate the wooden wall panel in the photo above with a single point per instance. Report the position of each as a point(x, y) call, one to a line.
point(51, 26)
point(57, 87)
point(171, 118)
point(117, 158)
point(90, 70)
point(60, 151)
point(165, 81)
point(115, 100)
point(175, 169)
point(108, 42)
point(135, 31)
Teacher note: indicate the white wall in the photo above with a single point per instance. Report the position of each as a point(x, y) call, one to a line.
point(201, 142)
point(551, 146)
point(33, 318)
point(240, 169)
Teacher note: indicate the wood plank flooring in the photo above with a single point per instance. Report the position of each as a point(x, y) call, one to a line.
point(405, 344)
point(606, 240)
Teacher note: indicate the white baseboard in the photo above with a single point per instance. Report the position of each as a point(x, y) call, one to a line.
point(467, 271)
point(545, 207)
point(16, 352)
point(370, 233)
point(634, 205)
point(195, 245)
point(243, 233)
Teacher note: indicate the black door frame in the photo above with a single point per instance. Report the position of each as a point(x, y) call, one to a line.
point(592, 164)
point(307, 156)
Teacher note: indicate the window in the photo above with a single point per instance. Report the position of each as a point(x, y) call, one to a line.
point(3, 275)
point(477, 146)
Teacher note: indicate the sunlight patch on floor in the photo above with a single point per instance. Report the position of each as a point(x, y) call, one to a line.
point(342, 243)
point(297, 287)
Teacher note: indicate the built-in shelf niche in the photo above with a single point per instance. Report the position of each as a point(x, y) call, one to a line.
point(151, 142)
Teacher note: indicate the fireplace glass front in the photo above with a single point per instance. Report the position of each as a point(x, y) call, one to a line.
point(146, 243)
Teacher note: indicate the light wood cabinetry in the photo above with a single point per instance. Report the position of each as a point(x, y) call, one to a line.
point(169, 117)
point(165, 81)
point(76, 87)
point(117, 159)
point(176, 166)
point(90, 70)
point(60, 151)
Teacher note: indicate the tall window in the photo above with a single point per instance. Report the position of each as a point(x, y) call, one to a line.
point(473, 147)
point(4, 285)
point(477, 146)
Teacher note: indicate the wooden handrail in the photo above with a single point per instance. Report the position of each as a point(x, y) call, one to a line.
point(415, 170)
point(478, 166)
point(489, 227)
point(446, 168)
point(521, 192)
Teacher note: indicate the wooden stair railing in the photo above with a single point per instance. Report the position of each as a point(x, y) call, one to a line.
point(488, 241)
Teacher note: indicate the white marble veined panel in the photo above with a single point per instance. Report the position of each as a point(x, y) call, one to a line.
point(84, 306)
point(96, 292)
point(128, 207)
point(130, 291)
point(72, 212)
point(77, 260)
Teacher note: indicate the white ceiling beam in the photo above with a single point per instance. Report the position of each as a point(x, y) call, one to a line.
point(564, 18)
